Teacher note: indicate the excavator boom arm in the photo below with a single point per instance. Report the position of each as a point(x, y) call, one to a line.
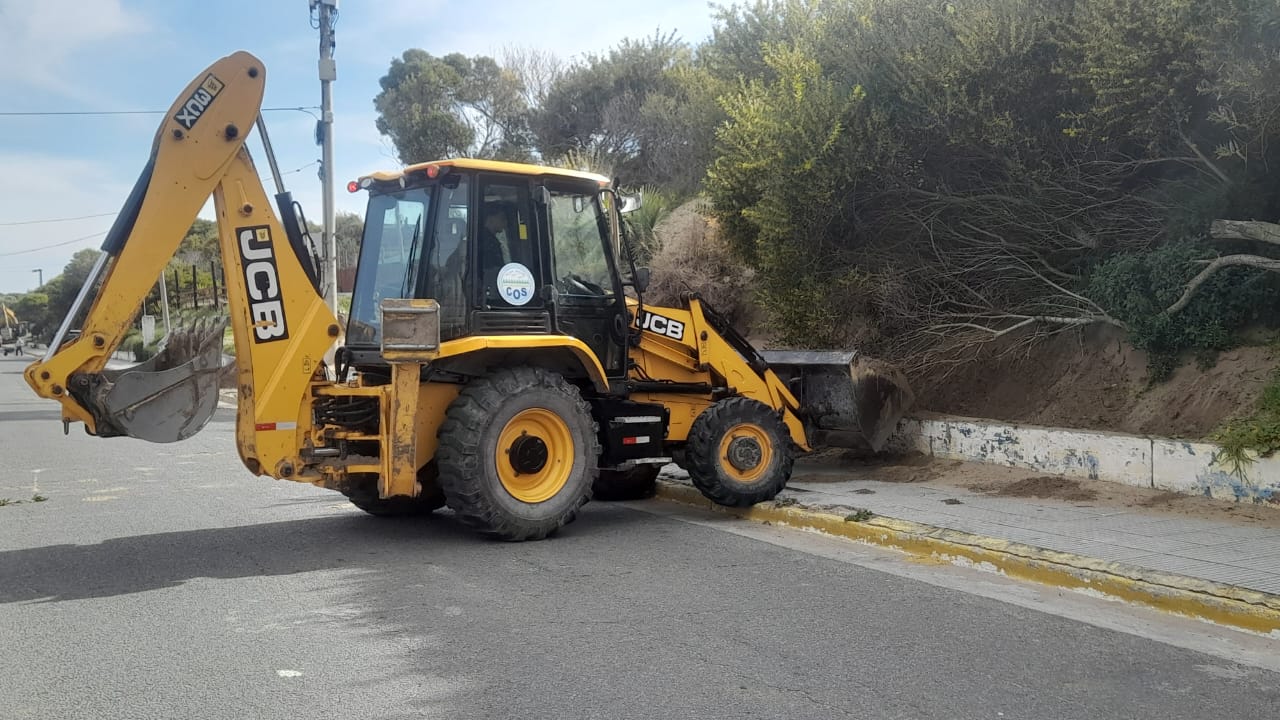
point(281, 326)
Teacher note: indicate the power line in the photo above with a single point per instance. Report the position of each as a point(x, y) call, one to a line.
point(56, 113)
point(293, 171)
point(54, 220)
point(111, 214)
point(54, 245)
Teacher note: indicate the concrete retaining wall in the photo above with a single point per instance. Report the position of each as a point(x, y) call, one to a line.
point(1184, 467)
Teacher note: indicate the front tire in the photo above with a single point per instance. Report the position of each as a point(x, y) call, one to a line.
point(739, 453)
point(518, 454)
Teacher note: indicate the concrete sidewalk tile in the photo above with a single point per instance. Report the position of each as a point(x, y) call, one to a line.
point(972, 513)
point(1021, 505)
point(1171, 528)
point(1190, 567)
point(1138, 523)
point(1227, 534)
point(1139, 542)
point(1255, 579)
point(1217, 551)
point(1226, 554)
point(1101, 551)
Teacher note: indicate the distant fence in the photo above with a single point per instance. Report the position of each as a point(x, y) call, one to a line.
point(199, 289)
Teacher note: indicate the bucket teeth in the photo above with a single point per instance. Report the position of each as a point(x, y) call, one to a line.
point(185, 343)
point(169, 397)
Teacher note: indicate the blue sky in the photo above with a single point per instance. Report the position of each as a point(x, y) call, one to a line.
point(92, 55)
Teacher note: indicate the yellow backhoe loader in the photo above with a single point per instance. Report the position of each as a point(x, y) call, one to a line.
point(498, 356)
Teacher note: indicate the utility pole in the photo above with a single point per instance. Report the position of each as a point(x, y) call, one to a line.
point(39, 277)
point(324, 17)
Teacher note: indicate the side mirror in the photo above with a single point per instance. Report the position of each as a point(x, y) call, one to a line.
point(631, 203)
point(641, 279)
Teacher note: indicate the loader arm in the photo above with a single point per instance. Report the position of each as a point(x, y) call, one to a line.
point(281, 326)
point(696, 357)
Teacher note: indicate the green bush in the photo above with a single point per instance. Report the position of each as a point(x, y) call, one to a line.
point(656, 205)
point(1255, 435)
point(1137, 288)
point(141, 351)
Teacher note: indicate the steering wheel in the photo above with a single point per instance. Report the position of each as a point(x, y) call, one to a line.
point(587, 286)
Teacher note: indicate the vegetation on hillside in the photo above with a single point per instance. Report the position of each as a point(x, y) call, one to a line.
point(919, 178)
point(923, 177)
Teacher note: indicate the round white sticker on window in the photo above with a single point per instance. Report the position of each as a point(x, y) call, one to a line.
point(515, 283)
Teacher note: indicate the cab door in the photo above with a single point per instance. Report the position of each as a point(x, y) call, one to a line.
point(589, 303)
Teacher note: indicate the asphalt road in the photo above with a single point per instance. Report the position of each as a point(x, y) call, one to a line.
point(166, 582)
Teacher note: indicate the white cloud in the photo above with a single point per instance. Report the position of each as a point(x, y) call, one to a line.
point(48, 34)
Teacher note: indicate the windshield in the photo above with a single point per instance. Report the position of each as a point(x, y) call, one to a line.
point(389, 254)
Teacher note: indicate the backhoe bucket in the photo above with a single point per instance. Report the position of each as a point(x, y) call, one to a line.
point(845, 400)
point(167, 398)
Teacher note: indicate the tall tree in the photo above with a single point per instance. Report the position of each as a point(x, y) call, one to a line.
point(596, 107)
point(452, 106)
point(348, 228)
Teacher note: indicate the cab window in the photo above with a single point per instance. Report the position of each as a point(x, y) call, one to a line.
point(580, 234)
point(507, 256)
point(389, 257)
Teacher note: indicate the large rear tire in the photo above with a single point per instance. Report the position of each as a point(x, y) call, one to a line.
point(518, 454)
point(739, 453)
point(638, 483)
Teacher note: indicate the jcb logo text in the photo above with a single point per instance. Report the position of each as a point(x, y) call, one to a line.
point(262, 280)
point(673, 329)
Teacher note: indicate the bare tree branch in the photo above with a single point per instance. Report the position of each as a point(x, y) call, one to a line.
point(1204, 159)
point(1193, 286)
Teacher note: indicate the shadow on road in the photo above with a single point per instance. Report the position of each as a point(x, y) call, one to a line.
point(122, 566)
point(149, 562)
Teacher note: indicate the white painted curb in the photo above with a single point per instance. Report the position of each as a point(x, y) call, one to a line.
point(1186, 467)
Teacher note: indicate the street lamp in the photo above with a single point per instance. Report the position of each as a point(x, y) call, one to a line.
point(39, 276)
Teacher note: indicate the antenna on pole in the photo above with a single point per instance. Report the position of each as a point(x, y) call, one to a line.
point(324, 16)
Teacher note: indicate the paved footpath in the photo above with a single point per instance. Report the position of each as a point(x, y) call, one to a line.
point(1208, 548)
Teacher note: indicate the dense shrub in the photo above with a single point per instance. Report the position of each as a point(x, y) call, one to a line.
point(1139, 287)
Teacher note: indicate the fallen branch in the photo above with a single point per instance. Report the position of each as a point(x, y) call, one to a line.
point(1024, 321)
point(1253, 230)
point(1256, 261)
point(1204, 159)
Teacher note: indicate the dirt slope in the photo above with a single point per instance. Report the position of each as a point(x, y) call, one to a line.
point(1097, 381)
point(1091, 379)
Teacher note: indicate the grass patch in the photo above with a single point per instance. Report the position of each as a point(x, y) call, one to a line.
point(38, 498)
point(1257, 435)
point(8, 501)
point(860, 515)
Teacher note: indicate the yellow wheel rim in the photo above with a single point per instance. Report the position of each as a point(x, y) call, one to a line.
point(534, 455)
point(745, 452)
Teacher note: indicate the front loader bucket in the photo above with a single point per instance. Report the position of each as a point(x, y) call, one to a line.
point(845, 400)
point(167, 398)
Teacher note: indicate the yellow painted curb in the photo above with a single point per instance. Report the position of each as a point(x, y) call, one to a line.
point(1224, 604)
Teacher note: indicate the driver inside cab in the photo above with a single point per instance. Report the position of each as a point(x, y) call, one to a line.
point(494, 248)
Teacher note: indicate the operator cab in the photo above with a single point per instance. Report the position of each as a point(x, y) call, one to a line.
point(504, 248)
